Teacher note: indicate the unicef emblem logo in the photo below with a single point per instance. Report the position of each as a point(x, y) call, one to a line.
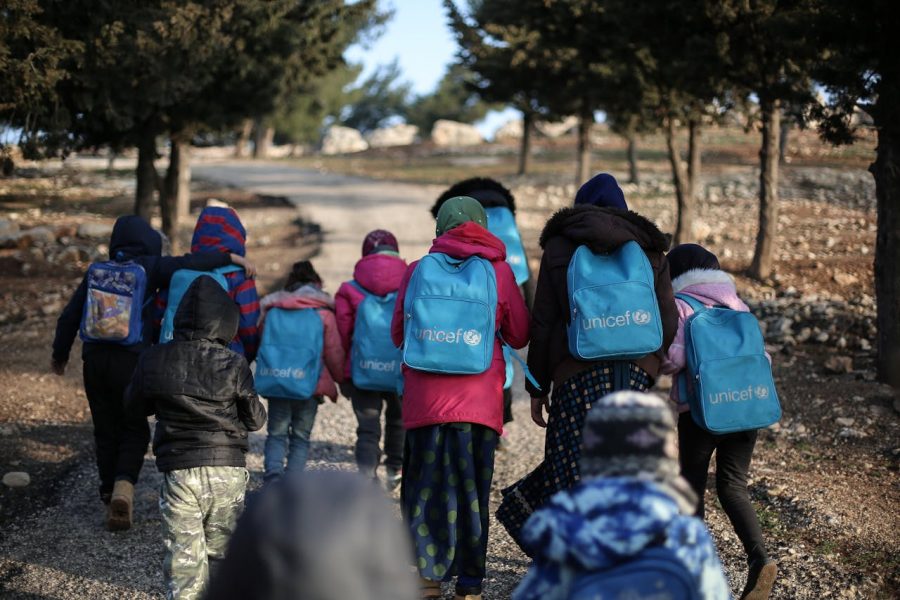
point(641, 317)
point(762, 392)
point(472, 337)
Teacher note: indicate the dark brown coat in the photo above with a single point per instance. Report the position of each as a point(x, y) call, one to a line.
point(601, 230)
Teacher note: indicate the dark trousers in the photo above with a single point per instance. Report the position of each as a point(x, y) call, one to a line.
point(507, 406)
point(367, 405)
point(733, 454)
point(120, 436)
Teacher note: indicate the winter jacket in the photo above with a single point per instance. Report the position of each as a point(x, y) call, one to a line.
point(219, 229)
point(132, 239)
point(310, 296)
point(601, 230)
point(379, 274)
point(602, 522)
point(434, 398)
point(711, 288)
point(201, 392)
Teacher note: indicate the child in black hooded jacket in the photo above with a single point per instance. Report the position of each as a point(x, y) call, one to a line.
point(121, 437)
point(205, 404)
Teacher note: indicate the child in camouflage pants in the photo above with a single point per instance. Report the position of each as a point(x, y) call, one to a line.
point(205, 404)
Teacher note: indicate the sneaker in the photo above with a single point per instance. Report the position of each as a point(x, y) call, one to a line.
point(393, 478)
point(760, 582)
point(120, 506)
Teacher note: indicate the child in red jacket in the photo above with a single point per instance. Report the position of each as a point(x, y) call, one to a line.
point(453, 421)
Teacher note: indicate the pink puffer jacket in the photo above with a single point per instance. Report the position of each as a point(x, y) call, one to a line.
point(310, 296)
point(712, 288)
point(435, 398)
point(380, 274)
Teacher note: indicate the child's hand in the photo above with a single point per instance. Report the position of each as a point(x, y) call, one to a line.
point(538, 406)
point(58, 366)
point(249, 267)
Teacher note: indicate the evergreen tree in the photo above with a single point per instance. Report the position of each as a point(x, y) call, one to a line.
point(454, 99)
point(860, 69)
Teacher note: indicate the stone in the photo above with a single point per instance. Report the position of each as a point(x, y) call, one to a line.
point(510, 131)
point(839, 364)
point(700, 230)
point(343, 140)
point(16, 479)
point(446, 133)
point(395, 135)
point(845, 421)
point(864, 345)
point(558, 128)
point(850, 433)
point(844, 279)
point(8, 227)
point(94, 231)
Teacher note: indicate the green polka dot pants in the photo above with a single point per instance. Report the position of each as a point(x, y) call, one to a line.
point(447, 472)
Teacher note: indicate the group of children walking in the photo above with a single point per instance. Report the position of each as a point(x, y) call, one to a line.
point(431, 345)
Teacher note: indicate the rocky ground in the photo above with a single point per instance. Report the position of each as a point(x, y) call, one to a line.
point(824, 479)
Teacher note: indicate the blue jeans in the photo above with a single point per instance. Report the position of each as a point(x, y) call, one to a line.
point(290, 423)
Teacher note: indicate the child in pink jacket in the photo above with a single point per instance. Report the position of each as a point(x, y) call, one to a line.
point(291, 421)
point(695, 272)
point(378, 272)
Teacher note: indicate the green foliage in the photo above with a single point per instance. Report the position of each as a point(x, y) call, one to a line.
point(859, 66)
point(166, 66)
point(301, 116)
point(31, 54)
point(380, 97)
point(454, 99)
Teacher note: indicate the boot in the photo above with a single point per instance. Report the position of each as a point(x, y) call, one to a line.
point(760, 581)
point(120, 506)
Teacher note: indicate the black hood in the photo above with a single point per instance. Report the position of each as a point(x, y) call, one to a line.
point(131, 237)
point(206, 312)
point(604, 229)
point(489, 192)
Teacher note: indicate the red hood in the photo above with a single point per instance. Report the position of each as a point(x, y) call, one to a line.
point(470, 239)
point(380, 273)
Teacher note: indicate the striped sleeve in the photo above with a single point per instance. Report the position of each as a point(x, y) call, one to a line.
point(243, 292)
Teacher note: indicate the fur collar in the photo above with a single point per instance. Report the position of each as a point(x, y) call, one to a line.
point(700, 276)
point(648, 235)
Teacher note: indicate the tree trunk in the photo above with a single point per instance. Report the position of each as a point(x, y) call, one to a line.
point(886, 170)
point(783, 140)
point(764, 256)
point(632, 159)
point(694, 160)
point(263, 140)
point(175, 200)
point(240, 146)
point(683, 199)
point(111, 162)
point(525, 148)
point(584, 148)
point(146, 176)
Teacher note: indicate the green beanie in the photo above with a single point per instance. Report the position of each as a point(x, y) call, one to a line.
point(456, 211)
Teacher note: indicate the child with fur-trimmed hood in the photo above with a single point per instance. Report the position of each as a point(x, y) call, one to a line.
point(696, 272)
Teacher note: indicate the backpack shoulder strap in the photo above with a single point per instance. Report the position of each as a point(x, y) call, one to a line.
point(695, 304)
point(359, 287)
point(229, 269)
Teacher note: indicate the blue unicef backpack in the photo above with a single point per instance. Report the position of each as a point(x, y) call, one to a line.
point(728, 380)
point(502, 223)
point(655, 573)
point(612, 302)
point(289, 361)
point(181, 281)
point(450, 310)
point(114, 305)
point(374, 360)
